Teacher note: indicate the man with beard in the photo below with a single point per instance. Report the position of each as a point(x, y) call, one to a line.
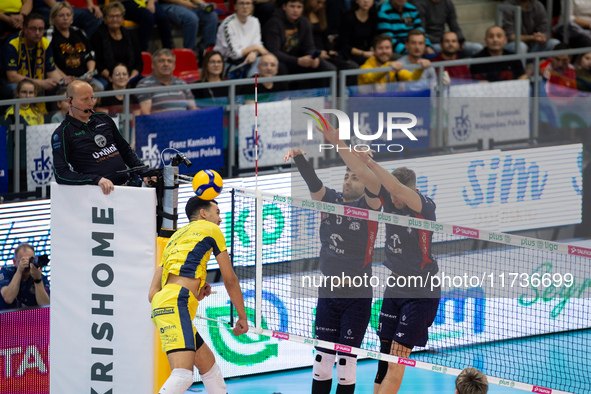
point(450, 46)
point(382, 47)
point(347, 242)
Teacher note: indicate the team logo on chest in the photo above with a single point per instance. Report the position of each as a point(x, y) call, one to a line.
point(100, 140)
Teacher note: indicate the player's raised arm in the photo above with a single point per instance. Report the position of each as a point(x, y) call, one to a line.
point(396, 189)
point(314, 183)
point(360, 169)
point(232, 285)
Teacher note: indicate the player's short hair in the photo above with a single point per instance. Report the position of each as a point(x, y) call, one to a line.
point(406, 176)
point(22, 246)
point(379, 39)
point(195, 204)
point(471, 381)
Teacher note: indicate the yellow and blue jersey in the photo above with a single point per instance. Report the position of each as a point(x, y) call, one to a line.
point(189, 250)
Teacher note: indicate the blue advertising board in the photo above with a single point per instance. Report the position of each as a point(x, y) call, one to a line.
point(197, 134)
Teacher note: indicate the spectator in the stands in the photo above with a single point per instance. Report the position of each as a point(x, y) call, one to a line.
point(289, 36)
point(583, 72)
point(315, 11)
point(435, 14)
point(268, 67)
point(147, 13)
point(29, 55)
point(114, 44)
point(382, 47)
point(213, 71)
point(163, 63)
point(535, 28)
point(71, 48)
point(239, 38)
point(29, 115)
point(118, 80)
point(450, 48)
point(358, 29)
point(62, 107)
point(396, 18)
point(559, 74)
point(87, 15)
point(495, 40)
point(415, 48)
point(579, 29)
point(190, 14)
point(12, 15)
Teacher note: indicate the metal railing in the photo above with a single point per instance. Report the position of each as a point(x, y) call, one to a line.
point(126, 115)
point(437, 133)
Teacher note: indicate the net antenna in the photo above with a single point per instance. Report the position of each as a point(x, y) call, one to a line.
point(259, 218)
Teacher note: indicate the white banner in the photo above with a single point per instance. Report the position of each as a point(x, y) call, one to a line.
point(484, 110)
point(274, 132)
point(39, 156)
point(103, 249)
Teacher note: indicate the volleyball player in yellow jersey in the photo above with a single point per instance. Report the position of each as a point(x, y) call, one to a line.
point(177, 287)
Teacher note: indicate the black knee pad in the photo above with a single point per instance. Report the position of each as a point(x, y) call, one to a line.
point(385, 347)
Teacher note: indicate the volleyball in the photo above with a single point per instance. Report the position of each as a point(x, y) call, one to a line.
point(207, 184)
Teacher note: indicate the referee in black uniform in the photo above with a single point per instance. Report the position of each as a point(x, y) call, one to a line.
point(88, 148)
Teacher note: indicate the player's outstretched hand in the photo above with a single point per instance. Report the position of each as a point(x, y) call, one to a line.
point(331, 134)
point(292, 152)
point(366, 157)
point(241, 327)
point(205, 291)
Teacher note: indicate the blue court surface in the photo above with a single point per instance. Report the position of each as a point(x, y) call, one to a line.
point(300, 381)
point(545, 360)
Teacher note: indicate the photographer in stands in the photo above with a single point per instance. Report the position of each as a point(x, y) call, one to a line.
point(24, 284)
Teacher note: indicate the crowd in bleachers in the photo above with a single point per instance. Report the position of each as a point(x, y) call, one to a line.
point(48, 44)
point(88, 41)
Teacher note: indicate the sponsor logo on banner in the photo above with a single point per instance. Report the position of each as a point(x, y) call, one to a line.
point(254, 142)
point(579, 251)
point(463, 127)
point(398, 125)
point(280, 335)
point(406, 361)
point(150, 152)
point(508, 383)
point(542, 390)
point(43, 170)
point(357, 212)
point(342, 348)
point(466, 231)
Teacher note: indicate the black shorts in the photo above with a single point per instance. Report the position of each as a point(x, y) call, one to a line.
point(407, 320)
point(342, 320)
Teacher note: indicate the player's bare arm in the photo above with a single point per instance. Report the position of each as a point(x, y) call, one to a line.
point(392, 185)
point(232, 285)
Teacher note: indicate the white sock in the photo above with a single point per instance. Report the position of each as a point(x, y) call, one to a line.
point(178, 382)
point(214, 381)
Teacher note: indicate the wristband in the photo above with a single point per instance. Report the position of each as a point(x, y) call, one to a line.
point(314, 183)
point(37, 280)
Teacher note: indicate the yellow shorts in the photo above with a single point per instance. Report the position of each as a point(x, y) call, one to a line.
point(173, 310)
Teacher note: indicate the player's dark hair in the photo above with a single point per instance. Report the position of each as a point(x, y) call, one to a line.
point(471, 381)
point(406, 176)
point(195, 204)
